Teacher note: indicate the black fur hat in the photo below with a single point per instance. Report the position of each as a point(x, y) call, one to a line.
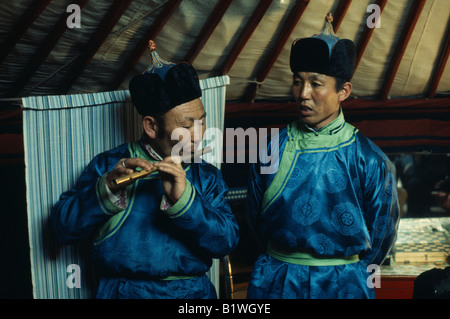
point(155, 94)
point(324, 53)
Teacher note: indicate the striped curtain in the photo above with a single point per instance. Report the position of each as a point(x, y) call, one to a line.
point(61, 135)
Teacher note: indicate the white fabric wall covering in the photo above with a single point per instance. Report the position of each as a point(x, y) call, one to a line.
point(61, 135)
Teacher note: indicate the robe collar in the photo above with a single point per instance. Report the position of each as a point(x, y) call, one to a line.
point(150, 150)
point(332, 128)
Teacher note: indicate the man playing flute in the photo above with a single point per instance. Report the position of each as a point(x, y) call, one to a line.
point(153, 237)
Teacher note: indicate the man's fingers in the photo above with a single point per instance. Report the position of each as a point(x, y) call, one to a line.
point(132, 163)
point(170, 168)
point(172, 159)
point(123, 171)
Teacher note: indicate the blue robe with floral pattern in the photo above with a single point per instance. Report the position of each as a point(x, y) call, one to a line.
point(143, 251)
point(333, 195)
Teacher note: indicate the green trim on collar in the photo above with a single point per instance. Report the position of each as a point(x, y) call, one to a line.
point(115, 222)
point(285, 169)
point(136, 150)
point(302, 140)
point(301, 130)
point(117, 219)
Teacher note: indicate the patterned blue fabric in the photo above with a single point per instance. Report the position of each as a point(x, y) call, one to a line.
point(143, 243)
point(120, 288)
point(62, 134)
point(274, 279)
point(333, 195)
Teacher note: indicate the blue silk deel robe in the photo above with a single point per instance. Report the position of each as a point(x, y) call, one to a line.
point(333, 196)
point(143, 251)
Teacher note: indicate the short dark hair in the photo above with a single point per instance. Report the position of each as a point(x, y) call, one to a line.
point(340, 82)
point(161, 124)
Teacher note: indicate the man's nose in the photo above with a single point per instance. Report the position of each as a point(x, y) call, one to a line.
point(305, 92)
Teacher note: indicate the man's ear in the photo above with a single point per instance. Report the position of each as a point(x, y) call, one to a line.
point(345, 92)
point(150, 126)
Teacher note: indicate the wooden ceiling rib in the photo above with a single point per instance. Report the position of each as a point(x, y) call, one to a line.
point(95, 41)
point(340, 13)
point(288, 27)
point(21, 26)
point(21, 29)
point(408, 29)
point(366, 35)
point(207, 30)
point(441, 65)
point(140, 48)
point(42, 52)
point(245, 35)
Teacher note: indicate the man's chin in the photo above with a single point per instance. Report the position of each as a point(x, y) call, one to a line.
point(306, 120)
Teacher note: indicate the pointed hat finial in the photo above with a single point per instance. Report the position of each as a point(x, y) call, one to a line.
point(157, 65)
point(327, 33)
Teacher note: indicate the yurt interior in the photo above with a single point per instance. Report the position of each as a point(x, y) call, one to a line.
point(65, 70)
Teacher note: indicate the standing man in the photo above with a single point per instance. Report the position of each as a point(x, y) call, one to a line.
point(331, 209)
point(154, 237)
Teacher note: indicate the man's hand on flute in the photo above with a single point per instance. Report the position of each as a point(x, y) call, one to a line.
point(172, 174)
point(173, 177)
point(126, 166)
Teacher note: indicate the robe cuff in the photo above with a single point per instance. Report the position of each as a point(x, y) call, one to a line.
point(105, 198)
point(183, 204)
point(165, 203)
